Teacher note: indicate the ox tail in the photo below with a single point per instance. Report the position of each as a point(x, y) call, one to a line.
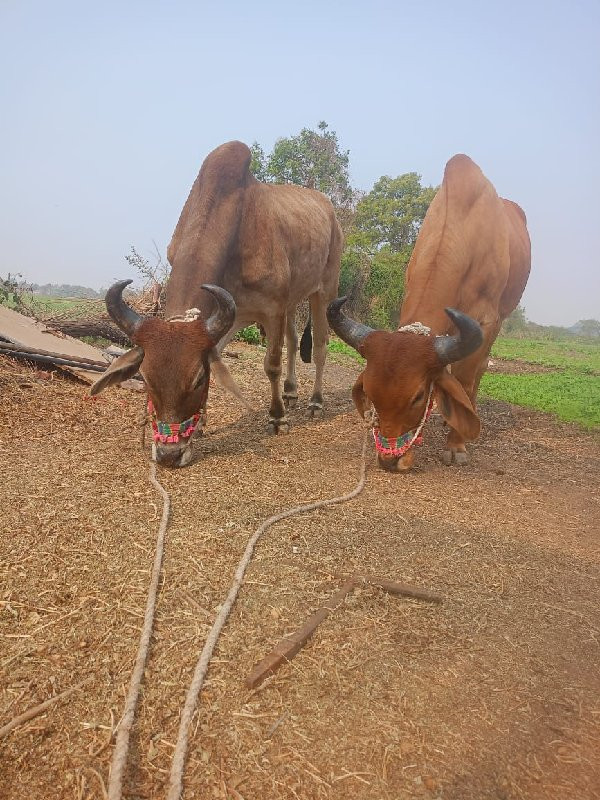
point(225, 379)
point(306, 341)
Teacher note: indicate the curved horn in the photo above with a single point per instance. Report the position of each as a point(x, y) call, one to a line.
point(222, 319)
point(125, 317)
point(454, 348)
point(352, 332)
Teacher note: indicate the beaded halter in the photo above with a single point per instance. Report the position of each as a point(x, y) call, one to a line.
point(399, 445)
point(174, 431)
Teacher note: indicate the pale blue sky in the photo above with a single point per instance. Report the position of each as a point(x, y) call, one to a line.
point(109, 108)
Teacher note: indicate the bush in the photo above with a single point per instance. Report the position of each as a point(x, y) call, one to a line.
point(250, 335)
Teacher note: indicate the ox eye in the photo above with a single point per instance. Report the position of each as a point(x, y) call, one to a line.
point(418, 397)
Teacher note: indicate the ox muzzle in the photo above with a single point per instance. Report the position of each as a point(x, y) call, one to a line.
point(172, 446)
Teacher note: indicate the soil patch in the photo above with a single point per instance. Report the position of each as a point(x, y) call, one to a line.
point(493, 694)
point(518, 367)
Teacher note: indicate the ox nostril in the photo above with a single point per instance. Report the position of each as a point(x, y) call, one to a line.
point(395, 465)
point(171, 456)
point(388, 464)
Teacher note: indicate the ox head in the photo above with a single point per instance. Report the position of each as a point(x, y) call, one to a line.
point(401, 369)
point(173, 359)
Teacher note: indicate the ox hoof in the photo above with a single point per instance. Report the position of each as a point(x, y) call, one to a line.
point(447, 457)
point(460, 458)
point(315, 411)
point(278, 426)
point(290, 400)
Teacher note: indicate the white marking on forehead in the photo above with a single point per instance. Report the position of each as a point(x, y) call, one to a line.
point(191, 315)
point(415, 327)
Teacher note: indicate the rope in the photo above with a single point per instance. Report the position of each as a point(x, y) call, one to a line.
point(119, 758)
point(178, 763)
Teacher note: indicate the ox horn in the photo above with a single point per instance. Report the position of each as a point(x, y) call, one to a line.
point(454, 348)
point(222, 319)
point(125, 317)
point(352, 332)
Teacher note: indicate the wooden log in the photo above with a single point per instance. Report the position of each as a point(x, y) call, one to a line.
point(41, 708)
point(402, 589)
point(287, 648)
point(393, 587)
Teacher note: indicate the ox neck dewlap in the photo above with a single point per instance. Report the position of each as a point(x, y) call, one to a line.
point(399, 445)
point(174, 431)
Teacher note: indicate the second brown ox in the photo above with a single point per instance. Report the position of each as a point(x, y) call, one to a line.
point(467, 273)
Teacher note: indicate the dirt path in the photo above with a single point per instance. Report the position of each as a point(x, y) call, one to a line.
point(493, 694)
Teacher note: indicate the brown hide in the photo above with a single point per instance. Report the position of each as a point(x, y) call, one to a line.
point(205, 238)
point(268, 245)
point(472, 254)
point(185, 360)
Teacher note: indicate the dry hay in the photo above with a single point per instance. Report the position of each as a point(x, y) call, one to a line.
point(494, 694)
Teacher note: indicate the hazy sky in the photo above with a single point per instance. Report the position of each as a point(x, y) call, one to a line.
point(109, 108)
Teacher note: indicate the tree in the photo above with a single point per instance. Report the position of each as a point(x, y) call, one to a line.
point(516, 323)
point(378, 246)
point(258, 164)
point(392, 212)
point(313, 159)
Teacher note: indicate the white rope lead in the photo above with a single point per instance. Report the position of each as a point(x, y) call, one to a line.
point(119, 758)
point(178, 763)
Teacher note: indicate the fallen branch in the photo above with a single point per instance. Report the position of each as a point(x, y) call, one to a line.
point(41, 708)
point(98, 328)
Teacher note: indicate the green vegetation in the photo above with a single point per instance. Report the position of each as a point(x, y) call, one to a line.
point(582, 356)
point(250, 335)
point(572, 392)
point(571, 396)
point(42, 306)
point(336, 346)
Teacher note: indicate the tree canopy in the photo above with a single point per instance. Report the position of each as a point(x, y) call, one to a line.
point(312, 158)
point(380, 227)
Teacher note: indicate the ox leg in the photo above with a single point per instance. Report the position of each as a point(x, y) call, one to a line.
point(469, 373)
point(278, 421)
point(318, 307)
point(290, 386)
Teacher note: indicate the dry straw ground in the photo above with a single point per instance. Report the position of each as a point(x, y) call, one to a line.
point(494, 694)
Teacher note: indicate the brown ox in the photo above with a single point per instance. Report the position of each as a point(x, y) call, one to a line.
point(469, 268)
point(259, 250)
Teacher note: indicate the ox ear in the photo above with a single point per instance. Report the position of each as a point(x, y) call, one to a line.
point(455, 407)
point(123, 367)
point(361, 401)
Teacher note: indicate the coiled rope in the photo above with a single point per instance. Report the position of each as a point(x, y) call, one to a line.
point(119, 758)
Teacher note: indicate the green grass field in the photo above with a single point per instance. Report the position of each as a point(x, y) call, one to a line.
point(581, 355)
point(572, 392)
point(44, 307)
point(573, 397)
